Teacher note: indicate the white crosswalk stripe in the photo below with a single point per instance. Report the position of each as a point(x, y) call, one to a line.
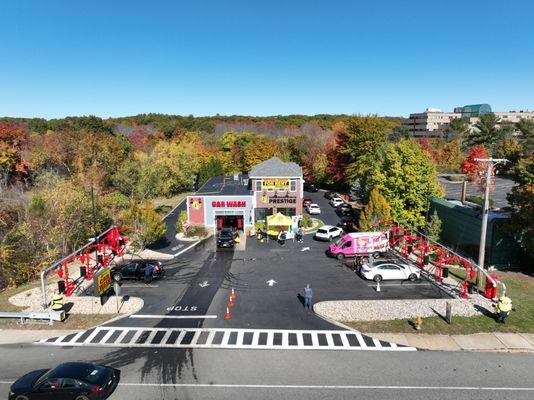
point(268, 339)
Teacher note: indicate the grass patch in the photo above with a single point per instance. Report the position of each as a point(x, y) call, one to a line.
point(5, 305)
point(72, 322)
point(314, 229)
point(520, 290)
point(164, 205)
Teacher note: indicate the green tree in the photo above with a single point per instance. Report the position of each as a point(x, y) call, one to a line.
point(521, 200)
point(450, 156)
point(144, 223)
point(510, 149)
point(526, 127)
point(433, 227)
point(377, 209)
point(457, 129)
point(485, 133)
point(259, 150)
point(208, 169)
point(400, 132)
point(406, 177)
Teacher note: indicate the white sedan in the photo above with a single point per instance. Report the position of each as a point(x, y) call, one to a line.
point(328, 232)
point(336, 201)
point(313, 209)
point(388, 270)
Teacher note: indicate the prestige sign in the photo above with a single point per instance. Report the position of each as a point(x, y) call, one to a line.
point(282, 200)
point(102, 282)
point(275, 183)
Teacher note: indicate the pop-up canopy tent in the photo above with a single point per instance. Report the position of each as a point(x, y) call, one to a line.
point(278, 220)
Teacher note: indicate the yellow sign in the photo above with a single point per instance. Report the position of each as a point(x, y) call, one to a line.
point(275, 183)
point(103, 282)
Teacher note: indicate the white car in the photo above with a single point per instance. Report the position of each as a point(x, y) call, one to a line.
point(313, 209)
point(336, 201)
point(328, 232)
point(389, 270)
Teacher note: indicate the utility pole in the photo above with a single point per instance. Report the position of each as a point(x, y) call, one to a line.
point(490, 164)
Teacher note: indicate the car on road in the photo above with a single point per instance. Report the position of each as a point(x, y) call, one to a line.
point(226, 239)
point(389, 270)
point(336, 201)
point(328, 195)
point(328, 232)
point(310, 187)
point(306, 202)
point(313, 209)
point(347, 223)
point(344, 209)
point(136, 270)
point(68, 381)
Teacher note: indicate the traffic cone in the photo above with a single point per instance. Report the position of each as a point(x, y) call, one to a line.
point(232, 295)
point(228, 316)
point(378, 286)
point(230, 302)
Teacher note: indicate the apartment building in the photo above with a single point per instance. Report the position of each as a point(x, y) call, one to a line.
point(433, 122)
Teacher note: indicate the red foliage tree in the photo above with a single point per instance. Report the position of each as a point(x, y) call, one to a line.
point(476, 170)
point(13, 141)
point(426, 145)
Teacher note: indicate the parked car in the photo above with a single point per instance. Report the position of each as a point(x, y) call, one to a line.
point(310, 187)
point(313, 209)
point(347, 223)
point(68, 381)
point(360, 244)
point(389, 270)
point(306, 202)
point(226, 238)
point(136, 270)
point(329, 195)
point(344, 209)
point(336, 201)
point(328, 232)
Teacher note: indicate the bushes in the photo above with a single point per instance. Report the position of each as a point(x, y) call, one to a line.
point(478, 200)
point(145, 223)
point(196, 231)
point(306, 221)
point(181, 218)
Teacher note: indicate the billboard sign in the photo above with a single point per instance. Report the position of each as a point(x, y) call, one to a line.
point(102, 282)
point(275, 183)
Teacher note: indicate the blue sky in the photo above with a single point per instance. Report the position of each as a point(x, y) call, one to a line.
point(202, 57)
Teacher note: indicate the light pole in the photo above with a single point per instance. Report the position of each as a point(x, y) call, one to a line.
point(490, 164)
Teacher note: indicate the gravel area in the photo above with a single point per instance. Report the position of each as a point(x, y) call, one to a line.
point(383, 310)
point(31, 301)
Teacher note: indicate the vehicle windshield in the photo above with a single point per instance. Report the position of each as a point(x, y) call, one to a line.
point(321, 231)
point(225, 234)
point(339, 242)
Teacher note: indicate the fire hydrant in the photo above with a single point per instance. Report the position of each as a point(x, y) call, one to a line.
point(418, 323)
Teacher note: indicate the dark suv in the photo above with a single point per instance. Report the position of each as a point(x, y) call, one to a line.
point(136, 270)
point(347, 223)
point(310, 187)
point(226, 238)
point(344, 209)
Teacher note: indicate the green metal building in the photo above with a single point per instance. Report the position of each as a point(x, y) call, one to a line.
point(461, 231)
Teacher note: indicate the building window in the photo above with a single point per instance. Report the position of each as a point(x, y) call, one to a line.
point(258, 185)
point(293, 185)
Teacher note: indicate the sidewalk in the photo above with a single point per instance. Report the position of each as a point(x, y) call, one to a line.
point(517, 342)
point(14, 336)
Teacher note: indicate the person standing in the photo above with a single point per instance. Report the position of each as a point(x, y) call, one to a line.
point(308, 293)
point(149, 271)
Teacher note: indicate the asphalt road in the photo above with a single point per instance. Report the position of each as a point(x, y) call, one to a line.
point(270, 374)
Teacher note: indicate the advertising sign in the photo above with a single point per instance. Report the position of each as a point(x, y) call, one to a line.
point(102, 282)
point(275, 183)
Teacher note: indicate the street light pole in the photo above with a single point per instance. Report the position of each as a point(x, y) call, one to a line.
point(490, 164)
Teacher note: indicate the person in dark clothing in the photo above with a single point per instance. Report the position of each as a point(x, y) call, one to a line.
point(308, 296)
point(149, 273)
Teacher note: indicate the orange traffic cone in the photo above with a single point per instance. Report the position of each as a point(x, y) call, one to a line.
point(228, 316)
point(230, 302)
point(232, 295)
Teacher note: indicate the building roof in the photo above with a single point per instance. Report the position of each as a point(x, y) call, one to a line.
point(475, 110)
point(226, 186)
point(276, 168)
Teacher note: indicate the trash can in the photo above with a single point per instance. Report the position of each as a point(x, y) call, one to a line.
point(426, 259)
point(83, 271)
point(472, 288)
point(445, 272)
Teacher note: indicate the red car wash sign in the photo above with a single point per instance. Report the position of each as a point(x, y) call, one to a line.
point(228, 204)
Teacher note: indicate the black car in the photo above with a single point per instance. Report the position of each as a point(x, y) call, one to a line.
point(330, 195)
point(136, 270)
point(310, 187)
point(69, 381)
point(344, 209)
point(347, 223)
point(226, 238)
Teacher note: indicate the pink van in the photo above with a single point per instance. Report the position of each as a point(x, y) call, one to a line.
point(360, 244)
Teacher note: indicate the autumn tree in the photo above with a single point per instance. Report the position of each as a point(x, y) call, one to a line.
point(457, 129)
point(259, 150)
point(450, 156)
point(143, 224)
point(13, 140)
point(406, 177)
point(377, 209)
point(511, 150)
point(472, 168)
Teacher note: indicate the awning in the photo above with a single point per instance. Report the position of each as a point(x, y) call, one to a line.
point(279, 219)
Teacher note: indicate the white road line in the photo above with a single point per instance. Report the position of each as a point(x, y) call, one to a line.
point(107, 336)
point(211, 335)
point(360, 340)
point(121, 336)
point(135, 337)
point(195, 339)
point(379, 387)
point(140, 286)
point(315, 339)
point(150, 336)
point(239, 339)
point(59, 339)
point(329, 340)
point(403, 284)
point(344, 340)
point(91, 336)
point(226, 336)
point(300, 340)
point(165, 337)
point(285, 339)
point(376, 342)
point(76, 337)
point(187, 248)
point(180, 337)
point(255, 338)
point(156, 316)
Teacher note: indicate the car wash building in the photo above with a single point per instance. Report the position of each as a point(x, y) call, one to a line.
point(240, 200)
